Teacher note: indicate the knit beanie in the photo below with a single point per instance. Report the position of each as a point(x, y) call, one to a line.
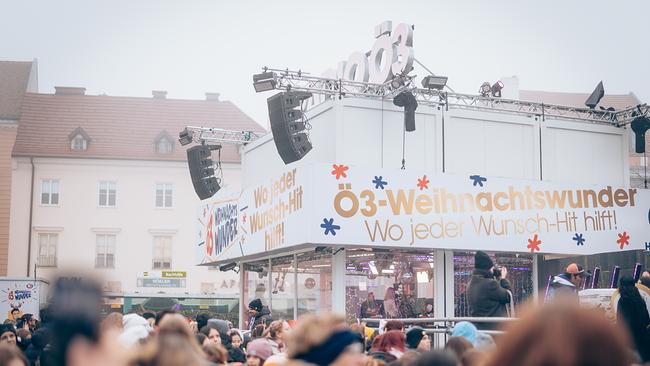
point(328, 351)
point(4, 328)
point(256, 305)
point(414, 336)
point(482, 261)
point(260, 348)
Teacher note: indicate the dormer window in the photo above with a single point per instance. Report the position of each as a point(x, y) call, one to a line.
point(78, 143)
point(164, 143)
point(79, 140)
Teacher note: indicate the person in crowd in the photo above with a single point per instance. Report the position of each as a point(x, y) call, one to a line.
point(258, 331)
point(151, 318)
point(236, 339)
point(324, 340)
point(236, 351)
point(216, 354)
point(632, 313)
point(258, 314)
point(8, 334)
point(418, 340)
point(169, 348)
point(113, 321)
point(40, 339)
point(160, 315)
point(428, 310)
point(134, 329)
point(15, 314)
point(567, 283)
point(27, 321)
point(24, 338)
point(390, 346)
point(11, 356)
point(458, 345)
point(488, 295)
point(645, 279)
point(438, 358)
point(201, 339)
point(211, 333)
point(472, 357)
point(394, 325)
point(371, 308)
point(258, 351)
point(391, 307)
point(561, 334)
point(275, 335)
point(466, 330)
point(202, 320)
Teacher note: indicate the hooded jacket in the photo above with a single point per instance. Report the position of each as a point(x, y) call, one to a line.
point(264, 317)
point(487, 297)
point(561, 286)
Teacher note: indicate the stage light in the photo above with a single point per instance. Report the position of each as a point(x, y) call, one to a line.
point(640, 125)
point(434, 82)
point(595, 96)
point(185, 137)
point(496, 89)
point(264, 82)
point(485, 89)
point(228, 267)
point(407, 100)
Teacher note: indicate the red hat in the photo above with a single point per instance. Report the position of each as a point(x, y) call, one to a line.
point(574, 268)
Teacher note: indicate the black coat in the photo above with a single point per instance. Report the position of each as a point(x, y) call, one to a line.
point(487, 297)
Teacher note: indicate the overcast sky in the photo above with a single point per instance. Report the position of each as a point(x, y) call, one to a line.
point(130, 47)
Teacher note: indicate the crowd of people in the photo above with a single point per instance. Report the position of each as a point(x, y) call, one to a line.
point(558, 333)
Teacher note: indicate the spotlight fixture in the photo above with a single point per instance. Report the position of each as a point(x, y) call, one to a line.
point(407, 100)
point(485, 89)
point(322, 249)
point(185, 137)
point(264, 82)
point(595, 96)
point(640, 125)
point(255, 268)
point(229, 267)
point(496, 89)
point(434, 82)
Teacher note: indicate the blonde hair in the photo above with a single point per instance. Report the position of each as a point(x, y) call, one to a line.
point(311, 331)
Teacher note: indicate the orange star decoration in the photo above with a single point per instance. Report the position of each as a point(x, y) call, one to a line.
point(423, 183)
point(623, 239)
point(533, 244)
point(339, 171)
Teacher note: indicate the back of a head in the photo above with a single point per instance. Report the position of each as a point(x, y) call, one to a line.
point(473, 357)
point(175, 324)
point(562, 334)
point(168, 349)
point(393, 339)
point(437, 358)
point(312, 330)
point(202, 319)
point(161, 314)
point(458, 345)
point(216, 353)
point(394, 325)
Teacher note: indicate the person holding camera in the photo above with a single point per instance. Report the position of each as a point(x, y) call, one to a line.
point(489, 291)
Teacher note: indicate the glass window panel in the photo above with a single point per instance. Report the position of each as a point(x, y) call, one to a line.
point(282, 287)
point(111, 198)
point(255, 286)
point(55, 199)
point(314, 282)
point(45, 198)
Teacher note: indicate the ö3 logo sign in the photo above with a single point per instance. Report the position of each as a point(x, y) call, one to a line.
point(391, 55)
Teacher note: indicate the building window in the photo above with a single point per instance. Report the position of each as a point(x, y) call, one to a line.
point(78, 143)
point(50, 192)
point(162, 252)
point(107, 193)
point(105, 245)
point(164, 146)
point(47, 249)
point(164, 195)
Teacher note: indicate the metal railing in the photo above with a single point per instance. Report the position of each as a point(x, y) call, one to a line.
point(442, 325)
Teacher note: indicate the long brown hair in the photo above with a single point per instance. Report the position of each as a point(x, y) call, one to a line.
point(562, 334)
point(391, 339)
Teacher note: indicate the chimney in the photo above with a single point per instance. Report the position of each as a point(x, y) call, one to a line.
point(69, 90)
point(212, 96)
point(159, 94)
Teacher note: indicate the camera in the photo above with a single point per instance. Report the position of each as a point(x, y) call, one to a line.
point(497, 272)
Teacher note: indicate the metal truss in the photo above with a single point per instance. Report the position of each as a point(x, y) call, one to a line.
point(300, 81)
point(221, 136)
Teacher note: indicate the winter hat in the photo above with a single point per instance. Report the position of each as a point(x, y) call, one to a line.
point(482, 261)
point(414, 336)
point(260, 348)
point(255, 305)
point(466, 330)
point(4, 328)
point(574, 268)
point(328, 351)
point(135, 329)
point(222, 326)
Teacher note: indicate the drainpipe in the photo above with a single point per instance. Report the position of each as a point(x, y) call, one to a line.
point(31, 214)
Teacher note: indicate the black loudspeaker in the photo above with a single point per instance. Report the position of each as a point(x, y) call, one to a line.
point(199, 160)
point(407, 100)
point(595, 96)
point(640, 125)
point(287, 125)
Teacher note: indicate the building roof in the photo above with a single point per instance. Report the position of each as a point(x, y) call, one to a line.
point(14, 77)
point(120, 127)
point(618, 101)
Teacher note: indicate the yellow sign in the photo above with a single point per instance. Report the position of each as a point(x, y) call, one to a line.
point(174, 274)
